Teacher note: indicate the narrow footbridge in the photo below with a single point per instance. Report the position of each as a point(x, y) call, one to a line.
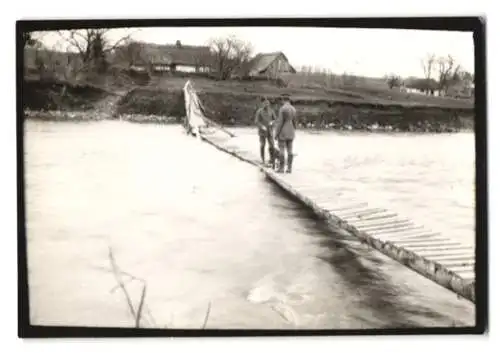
point(439, 258)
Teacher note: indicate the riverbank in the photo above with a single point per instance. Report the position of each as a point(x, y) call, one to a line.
point(236, 107)
point(94, 115)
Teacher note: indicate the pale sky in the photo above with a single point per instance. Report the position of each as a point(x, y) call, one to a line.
point(364, 52)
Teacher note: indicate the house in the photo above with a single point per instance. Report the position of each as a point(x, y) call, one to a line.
point(269, 65)
point(161, 57)
point(427, 86)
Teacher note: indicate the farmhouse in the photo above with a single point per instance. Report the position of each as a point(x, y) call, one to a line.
point(178, 57)
point(427, 86)
point(269, 65)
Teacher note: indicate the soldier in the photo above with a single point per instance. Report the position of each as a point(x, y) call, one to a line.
point(285, 133)
point(263, 119)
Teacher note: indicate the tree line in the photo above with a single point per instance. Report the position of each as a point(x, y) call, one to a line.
point(95, 50)
point(439, 74)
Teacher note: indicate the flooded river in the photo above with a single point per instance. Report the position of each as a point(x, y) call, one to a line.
point(204, 229)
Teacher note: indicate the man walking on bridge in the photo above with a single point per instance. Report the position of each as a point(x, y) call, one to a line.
point(285, 133)
point(263, 119)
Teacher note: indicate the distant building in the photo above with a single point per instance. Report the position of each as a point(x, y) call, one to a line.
point(160, 57)
point(269, 65)
point(421, 86)
point(420, 91)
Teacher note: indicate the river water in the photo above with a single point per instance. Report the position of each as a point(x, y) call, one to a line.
point(208, 233)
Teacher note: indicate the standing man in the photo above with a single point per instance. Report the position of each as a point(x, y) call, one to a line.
point(263, 119)
point(285, 133)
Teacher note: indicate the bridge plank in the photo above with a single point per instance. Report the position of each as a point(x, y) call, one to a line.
point(377, 233)
point(341, 207)
point(447, 257)
point(467, 274)
point(362, 223)
point(424, 251)
point(415, 236)
point(395, 225)
point(460, 269)
point(353, 212)
point(457, 263)
point(380, 216)
point(361, 213)
point(437, 253)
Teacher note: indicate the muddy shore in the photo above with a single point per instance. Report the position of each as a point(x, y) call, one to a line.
point(59, 102)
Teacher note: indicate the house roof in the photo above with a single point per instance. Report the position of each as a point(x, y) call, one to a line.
point(176, 54)
point(418, 83)
point(260, 62)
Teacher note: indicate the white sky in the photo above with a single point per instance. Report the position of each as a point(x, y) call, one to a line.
point(365, 52)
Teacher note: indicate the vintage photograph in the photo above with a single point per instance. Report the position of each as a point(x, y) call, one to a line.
point(253, 178)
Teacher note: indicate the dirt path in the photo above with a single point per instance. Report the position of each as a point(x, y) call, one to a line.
point(106, 107)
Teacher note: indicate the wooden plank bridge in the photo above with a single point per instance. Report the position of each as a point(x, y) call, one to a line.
point(441, 259)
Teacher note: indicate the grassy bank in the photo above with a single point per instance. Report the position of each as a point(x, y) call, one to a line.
point(233, 103)
point(238, 109)
point(58, 95)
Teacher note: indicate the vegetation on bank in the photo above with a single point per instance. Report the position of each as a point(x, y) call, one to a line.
point(58, 95)
point(235, 105)
point(238, 109)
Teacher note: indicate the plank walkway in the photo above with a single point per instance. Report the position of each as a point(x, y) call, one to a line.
point(443, 260)
point(440, 258)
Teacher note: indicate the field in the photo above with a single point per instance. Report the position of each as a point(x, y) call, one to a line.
point(317, 87)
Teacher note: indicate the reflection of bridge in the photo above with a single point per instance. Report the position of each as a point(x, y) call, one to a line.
point(443, 260)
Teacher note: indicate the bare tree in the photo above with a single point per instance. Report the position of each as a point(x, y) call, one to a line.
point(447, 73)
point(93, 46)
point(393, 81)
point(462, 80)
point(466, 76)
point(428, 65)
point(29, 40)
point(229, 54)
point(33, 53)
point(131, 53)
